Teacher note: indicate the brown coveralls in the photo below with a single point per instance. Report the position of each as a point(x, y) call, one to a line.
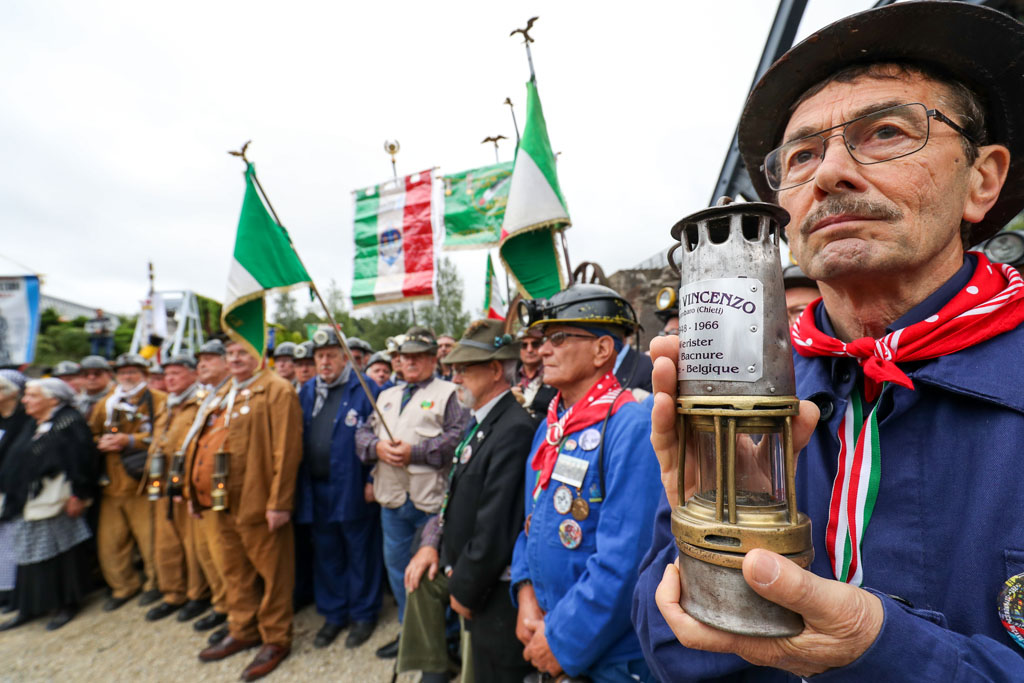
point(264, 439)
point(178, 570)
point(126, 517)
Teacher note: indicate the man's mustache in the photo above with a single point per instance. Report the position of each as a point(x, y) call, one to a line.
point(837, 205)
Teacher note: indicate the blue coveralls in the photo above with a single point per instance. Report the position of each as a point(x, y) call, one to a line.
point(946, 532)
point(585, 592)
point(348, 564)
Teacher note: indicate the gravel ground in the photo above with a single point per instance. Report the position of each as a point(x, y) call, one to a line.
point(122, 646)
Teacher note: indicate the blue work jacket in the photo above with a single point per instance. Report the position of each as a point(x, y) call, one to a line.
point(348, 475)
point(585, 592)
point(946, 531)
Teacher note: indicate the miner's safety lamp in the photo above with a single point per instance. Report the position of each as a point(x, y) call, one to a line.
point(736, 402)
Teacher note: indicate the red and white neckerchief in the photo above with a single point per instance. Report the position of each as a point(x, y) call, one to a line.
point(991, 303)
point(589, 410)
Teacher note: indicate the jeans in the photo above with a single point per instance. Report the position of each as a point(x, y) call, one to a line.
point(102, 346)
point(400, 525)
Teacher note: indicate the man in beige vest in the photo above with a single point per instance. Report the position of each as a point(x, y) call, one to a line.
point(426, 420)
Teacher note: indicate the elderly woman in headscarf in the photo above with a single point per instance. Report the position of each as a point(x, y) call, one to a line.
point(46, 480)
point(13, 419)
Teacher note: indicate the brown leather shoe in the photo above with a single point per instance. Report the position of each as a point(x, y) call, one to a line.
point(226, 648)
point(266, 661)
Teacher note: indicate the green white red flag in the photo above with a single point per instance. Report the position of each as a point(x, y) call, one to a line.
point(394, 242)
point(535, 209)
point(474, 206)
point(264, 258)
point(494, 304)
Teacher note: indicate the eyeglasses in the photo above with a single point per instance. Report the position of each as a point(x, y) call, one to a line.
point(880, 136)
point(559, 338)
point(532, 343)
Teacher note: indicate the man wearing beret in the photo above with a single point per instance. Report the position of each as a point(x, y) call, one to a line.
point(893, 138)
point(465, 550)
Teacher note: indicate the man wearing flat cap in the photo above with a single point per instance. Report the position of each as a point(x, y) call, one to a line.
point(97, 382)
point(411, 464)
point(344, 526)
point(178, 572)
point(122, 426)
point(893, 138)
point(465, 550)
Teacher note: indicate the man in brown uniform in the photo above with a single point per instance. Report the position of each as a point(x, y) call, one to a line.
point(178, 572)
point(256, 421)
point(122, 425)
point(212, 370)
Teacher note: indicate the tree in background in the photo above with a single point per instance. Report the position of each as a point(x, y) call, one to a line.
point(447, 316)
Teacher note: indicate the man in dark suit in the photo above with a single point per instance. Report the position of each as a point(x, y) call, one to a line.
point(633, 370)
point(471, 539)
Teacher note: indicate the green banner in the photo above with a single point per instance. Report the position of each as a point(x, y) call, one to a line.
point(474, 206)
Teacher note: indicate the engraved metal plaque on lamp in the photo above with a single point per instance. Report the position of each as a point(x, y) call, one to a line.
point(736, 404)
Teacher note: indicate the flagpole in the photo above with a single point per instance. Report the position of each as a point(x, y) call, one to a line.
point(392, 147)
point(330, 317)
point(533, 77)
point(508, 101)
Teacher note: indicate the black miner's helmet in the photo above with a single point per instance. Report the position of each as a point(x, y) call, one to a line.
point(582, 304)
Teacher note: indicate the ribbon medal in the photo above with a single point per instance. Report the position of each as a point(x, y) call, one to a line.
point(562, 499)
point(570, 534)
point(580, 509)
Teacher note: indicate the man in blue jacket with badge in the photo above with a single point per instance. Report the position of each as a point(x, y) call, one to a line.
point(347, 561)
point(893, 138)
point(591, 490)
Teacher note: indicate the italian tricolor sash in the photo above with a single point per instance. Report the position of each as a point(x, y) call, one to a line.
point(991, 303)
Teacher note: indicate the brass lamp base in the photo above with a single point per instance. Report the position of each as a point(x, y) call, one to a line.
point(720, 597)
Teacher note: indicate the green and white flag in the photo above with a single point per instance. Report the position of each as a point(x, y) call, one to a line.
point(535, 209)
point(394, 242)
point(474, 206)
point(264, 259)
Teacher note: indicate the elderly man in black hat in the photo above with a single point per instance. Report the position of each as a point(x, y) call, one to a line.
point(465, 549)
point(344, 527)
point(284, 360)
point(893, 140)
point(426, 422)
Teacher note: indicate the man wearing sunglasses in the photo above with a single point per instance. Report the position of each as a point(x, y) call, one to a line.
point(893, 139)
point(530, 388)
point(591, 487)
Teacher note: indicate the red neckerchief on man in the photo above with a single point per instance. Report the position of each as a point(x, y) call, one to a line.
point(992, 302)
point(589, 410)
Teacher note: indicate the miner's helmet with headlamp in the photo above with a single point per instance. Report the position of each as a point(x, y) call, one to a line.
point(303, 352)
point(581, 304)
point(285, 350)
point(666, 304)
point(324, 338)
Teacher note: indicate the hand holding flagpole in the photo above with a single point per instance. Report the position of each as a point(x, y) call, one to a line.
point(312, 285)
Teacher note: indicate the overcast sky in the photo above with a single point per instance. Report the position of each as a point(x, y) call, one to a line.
point(115, 119)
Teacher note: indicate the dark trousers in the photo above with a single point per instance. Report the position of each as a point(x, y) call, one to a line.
point(348, 565)
point(303, 594)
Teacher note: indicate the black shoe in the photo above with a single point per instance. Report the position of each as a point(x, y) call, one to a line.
point(164, 609)
point(389, 651)
point(327, 633)
point(211, 620)
point(192, 609)
point(360, 632)
point(14, 623)
point(62, 617)
point(217, 636)
point(149, 597)
point(113, 603)
point(8, 608)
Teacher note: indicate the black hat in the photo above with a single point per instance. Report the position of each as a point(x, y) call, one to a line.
point(980, 47)
point(131, 360)
point(580, 304)
point(284, 350)
point(95, 363)
point(357, 344)
point(792, 276)
point(379, 357)
point(185, 359)
point(304, 351)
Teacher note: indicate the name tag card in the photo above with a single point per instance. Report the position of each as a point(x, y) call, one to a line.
point(570, 470)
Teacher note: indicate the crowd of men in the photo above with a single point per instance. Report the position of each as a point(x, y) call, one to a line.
point(513, 492)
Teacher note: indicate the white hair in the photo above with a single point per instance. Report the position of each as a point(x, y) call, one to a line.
point(51, 387)
point(509, 368)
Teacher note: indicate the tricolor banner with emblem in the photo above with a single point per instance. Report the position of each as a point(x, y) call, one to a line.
point(494, 304)
point(19, 319)
point(474, 206)
point(535, 209)
point(264, 259)
point(394, 242)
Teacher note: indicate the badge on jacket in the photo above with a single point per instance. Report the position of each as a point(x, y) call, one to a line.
point(352, 418)
point(1011, 607)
